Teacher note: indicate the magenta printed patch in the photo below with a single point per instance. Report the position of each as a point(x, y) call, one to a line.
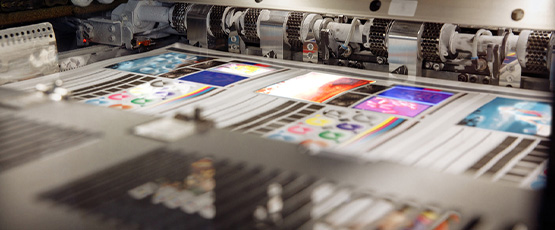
point(392, 106)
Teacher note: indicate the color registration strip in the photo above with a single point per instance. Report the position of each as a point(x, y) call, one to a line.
point(190, 95)
point(383, 127)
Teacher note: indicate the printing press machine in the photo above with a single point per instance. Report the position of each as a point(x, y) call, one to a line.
point(264, 114)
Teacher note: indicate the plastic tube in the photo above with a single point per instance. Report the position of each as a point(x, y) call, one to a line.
point(354, 23)
point(475, 42)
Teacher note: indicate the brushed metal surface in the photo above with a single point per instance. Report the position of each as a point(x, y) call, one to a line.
point(272, 33)
point(403, 46)
point(198, 25)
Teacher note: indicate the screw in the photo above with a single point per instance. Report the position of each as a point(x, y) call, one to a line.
point(310, 46)
point(510, 78)
point(233, 38)
point(473, 78)
point(375, 5)
point(310, 55)
point(112, 28)
point(463, 77)
point(428, 65)
point(258, 1)
point(380, 60)
point(486, 80)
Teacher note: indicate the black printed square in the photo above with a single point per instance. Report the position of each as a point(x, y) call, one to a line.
point(371, 88)
point(346, 99)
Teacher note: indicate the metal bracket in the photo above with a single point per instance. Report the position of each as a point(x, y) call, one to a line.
point(310, 51)
point(106, 31)
point(234, 42)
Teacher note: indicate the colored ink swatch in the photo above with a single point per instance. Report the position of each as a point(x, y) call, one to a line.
point(512, 115)
point(392, 106)
point(213, 78)
point(243, 69)
point(151, 94)
point(315, 87)
point(416, 94)
point(377, 130)
point(158, 64)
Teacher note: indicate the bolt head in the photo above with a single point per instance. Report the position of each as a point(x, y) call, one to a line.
point(437, 67)
point(517, 14)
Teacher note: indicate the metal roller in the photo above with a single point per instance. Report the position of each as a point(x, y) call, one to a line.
point(250, 34)
point(429, 42)
point(378, 33)
point(179, 17)
point(293, 30)
point(537, 51)
point(216, 21)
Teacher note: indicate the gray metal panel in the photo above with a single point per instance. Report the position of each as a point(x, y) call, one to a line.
point(272, 33)
point(538, 14)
